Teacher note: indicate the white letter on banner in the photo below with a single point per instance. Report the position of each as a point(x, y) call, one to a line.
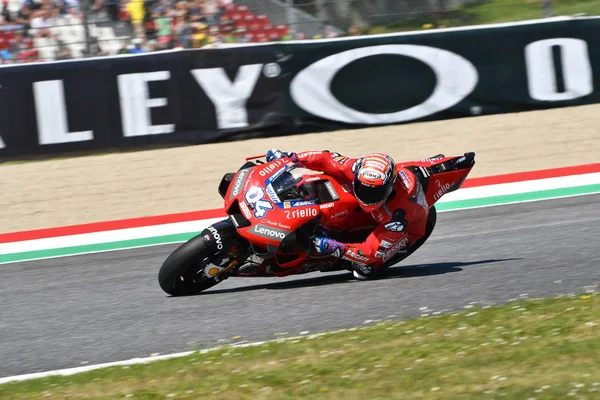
point(1, 143)
point(576, 68)
point(51, 114)
point(229, 98)
point(456, 78)
point(136, 104)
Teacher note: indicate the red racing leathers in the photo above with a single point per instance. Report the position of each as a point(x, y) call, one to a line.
point(401, 221)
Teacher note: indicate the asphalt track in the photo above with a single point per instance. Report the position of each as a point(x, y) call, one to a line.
point(96, 308)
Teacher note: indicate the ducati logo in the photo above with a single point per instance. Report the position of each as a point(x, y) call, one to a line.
point(395, 226)
point(456, 79)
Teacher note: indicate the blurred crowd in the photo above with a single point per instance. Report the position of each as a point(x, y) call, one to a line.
point(151, 25)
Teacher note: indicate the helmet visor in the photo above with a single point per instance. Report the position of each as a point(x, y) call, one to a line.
point(370, 195)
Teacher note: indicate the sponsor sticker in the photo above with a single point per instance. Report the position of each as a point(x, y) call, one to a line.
point(255, 197)
point(340, 214)
point(248, 182)
point(381, 213)
point(303, 203)
point(356, 257)
point(267, 169)
point(272, 193)
point(312, 179)
point(217, 237)
point(287, 204)
point(268, 232)
point(331, 191)
point(374, 164)
point(245, 210)
point(442, 189)
point(386, 244)
point(309, 153)
point(394, 226)
point(301, 213)
point(238, 182)
point(326, 205)
point(371, 175)
point(276, 224)
point(211, 271)
point(431, 160)
point(407, 183)
point(340, 159)
point(400, 245)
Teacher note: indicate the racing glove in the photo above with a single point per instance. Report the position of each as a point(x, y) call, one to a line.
point(326, 245)
point(276, 154)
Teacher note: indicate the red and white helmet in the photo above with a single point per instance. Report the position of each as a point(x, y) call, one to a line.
point(374, 177)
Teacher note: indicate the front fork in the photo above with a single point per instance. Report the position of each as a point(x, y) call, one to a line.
point(226, 243)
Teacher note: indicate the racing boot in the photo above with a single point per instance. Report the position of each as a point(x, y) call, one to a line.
point(362, 272)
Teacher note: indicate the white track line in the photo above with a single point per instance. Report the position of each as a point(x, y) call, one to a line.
point(78, 370)
point(145, 360)
point(116, 235)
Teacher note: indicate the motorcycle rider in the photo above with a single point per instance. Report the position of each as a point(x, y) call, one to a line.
point(391, 194)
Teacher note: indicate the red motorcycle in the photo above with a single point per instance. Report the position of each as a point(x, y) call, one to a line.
point(273, 211)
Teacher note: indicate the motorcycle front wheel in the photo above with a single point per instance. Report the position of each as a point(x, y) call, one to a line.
point(191, 268)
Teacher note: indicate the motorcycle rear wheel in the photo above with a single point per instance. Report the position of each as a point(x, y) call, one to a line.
point(182, 273)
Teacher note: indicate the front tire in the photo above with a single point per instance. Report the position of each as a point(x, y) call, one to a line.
point(182, 273)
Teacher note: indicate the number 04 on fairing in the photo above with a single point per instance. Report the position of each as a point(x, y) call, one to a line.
point(273, 211)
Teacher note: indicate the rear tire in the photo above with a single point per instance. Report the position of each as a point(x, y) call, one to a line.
point(182, 273)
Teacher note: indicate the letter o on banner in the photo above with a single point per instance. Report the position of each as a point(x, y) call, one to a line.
point(456, 78)
point(541, 72)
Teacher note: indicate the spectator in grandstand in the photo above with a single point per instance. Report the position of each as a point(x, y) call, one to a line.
point(211, 11)
point(181, 9)
point(63, 52)
point(95, 49)
point(163, 23)
point(150, 45)
point(183, 30)
point(353, 31)
point(137, 46)
point(43, 19)
point(112, 9)
point(200, 36)
point(6, 56)
point(135, 8)
point(164, 43)
point(6, 14)
point(124, 48)
point(23, 17)
point(18, 44)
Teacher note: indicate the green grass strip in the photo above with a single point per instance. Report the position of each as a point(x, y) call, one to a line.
point(536, 348)
point(520, 197)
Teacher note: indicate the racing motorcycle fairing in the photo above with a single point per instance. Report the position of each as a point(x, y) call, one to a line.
point(277, 206)
point(439, 175)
